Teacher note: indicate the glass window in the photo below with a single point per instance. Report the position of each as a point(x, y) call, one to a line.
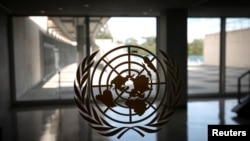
point(203, 55)
point(237, 54)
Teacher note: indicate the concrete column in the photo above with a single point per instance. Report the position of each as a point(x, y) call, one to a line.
point(80, 42)
point(172, 37)
point(83, 38)
point(87, 36)
point(222, 56)
point(6, 71)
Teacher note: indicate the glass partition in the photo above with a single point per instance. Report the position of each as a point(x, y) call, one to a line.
point(203, 55)
point(237, 54)
point(47, 50)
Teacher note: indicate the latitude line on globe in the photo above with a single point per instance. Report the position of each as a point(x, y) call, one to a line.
point(130, 114)
point(110, 66)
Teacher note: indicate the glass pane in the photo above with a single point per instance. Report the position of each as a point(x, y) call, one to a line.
point(121, 76)
point(237, 54)
point(203, 55)
point(45, 57)
point(124, 62)
point(48, 49)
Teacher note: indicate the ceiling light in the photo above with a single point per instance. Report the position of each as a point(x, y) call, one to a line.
point(145, 13)
point(86, 5)
point(42, 11)
point(60, 8)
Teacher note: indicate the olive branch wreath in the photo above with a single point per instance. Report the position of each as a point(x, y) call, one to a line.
point(104, 128)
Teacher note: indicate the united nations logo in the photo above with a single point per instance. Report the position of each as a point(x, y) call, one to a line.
point(123, 91)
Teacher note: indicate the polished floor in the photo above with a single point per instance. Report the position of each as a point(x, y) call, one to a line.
point(63, 123)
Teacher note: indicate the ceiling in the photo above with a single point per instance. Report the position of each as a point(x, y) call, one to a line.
point(64, 15)
point(109, 7)
point(91, 7)
point(66, 26)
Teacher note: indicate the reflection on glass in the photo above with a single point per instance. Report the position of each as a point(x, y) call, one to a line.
point(203, 55)
point(237, 53)
point(51, 127)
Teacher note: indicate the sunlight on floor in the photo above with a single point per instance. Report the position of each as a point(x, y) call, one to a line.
point(64, 78)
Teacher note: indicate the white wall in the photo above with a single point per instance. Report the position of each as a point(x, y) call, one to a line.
point(237, 49)
point(27, 54)
point(211, 49)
